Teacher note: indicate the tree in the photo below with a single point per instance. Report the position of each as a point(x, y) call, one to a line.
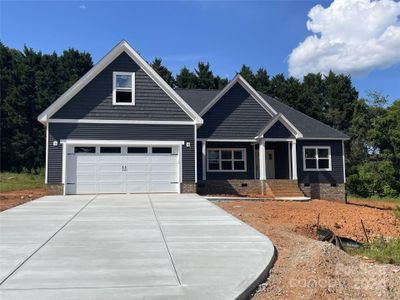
point(30, 82)
point(247, 74)
point(262, 82)
point(311, 100)
point(186, 79)
point(163, 71)
point(340, 97)
point(205, 77)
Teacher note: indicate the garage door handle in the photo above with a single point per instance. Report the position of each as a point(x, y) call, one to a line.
point(174, 182)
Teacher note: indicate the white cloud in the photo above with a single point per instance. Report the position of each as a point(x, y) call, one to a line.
point(351, 37)
point(82, 6)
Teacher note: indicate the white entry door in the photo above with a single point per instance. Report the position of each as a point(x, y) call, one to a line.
point(122, 169)
point(270, 163)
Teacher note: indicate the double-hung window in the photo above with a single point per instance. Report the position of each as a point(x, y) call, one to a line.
point(226, 160)
point(123, 88)
point(317, 158)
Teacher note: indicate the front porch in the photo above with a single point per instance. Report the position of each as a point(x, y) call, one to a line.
point(263, 167)
point(262, 159)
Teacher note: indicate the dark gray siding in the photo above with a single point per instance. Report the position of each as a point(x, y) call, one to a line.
point(235, 116)
point(249, 174)
point(58, 131)
point(94, 101)
point(334, 176)
point(278, 130)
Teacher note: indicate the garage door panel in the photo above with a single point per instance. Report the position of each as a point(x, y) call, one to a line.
point(137, 187)
point(166, 177)
point(165, 159)
point(138, 159)
point(163, 168)
point(123, 173)
point(162, 187)
point(85, 188)
point(86, 159)
point(106, 187)
point(137, 168)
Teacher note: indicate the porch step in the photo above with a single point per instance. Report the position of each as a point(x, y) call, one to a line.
point(284, 188)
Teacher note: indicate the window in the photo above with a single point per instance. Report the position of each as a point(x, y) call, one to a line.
point(226, 160)
point(161, 150)
point(317, 158)
point(85, 150)
point(123, 88)
point(137, 149)
point(110, 149)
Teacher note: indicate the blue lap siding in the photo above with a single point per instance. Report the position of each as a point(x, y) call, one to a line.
point(94, 101)
point(334, 176)
point(237, 115)
point(59, 131)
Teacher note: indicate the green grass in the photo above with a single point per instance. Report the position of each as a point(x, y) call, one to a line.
point(381, 250)
point(375, 198)
point(20, 181)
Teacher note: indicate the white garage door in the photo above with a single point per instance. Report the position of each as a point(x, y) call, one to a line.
point(122, 169)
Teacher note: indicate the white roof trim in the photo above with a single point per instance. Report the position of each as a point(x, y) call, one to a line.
point(104, 121)
point(239, 79)
point(285, 122)
point(101, 65)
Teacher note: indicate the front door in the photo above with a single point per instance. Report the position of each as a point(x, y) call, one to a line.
point(270, 163)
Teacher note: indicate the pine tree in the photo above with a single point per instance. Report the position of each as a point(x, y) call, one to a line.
point(186, 79)
point(262, 82)
point(163, 71)
point(205, 77)
point(248, 75)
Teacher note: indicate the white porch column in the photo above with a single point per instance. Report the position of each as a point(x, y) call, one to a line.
point(261, 152)
point(289, 160)
point(203, 159)
point(294, 160)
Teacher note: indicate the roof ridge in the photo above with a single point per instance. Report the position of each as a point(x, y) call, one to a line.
point(297, 111)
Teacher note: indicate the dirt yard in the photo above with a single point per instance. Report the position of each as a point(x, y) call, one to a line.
point(14, 198)
point(309, 269)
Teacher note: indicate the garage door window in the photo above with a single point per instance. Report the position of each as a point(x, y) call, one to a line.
point(110, 149)
point(134, 150)
point(85, 150)
point(161, 150)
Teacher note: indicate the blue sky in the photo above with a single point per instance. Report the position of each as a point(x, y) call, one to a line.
point(226, 33)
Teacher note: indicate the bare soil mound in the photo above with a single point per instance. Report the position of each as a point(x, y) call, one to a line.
point(309, 269)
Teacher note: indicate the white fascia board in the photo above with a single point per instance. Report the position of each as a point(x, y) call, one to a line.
point(101, 65)
point(324, 138)
point(99, 121)
point(279, 117)
point(239, 79)
point(162, 84)
point(121, 142)
point(227, 140)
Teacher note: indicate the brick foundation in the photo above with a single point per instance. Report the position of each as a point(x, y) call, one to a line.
point(55, 189)
point(325, 191)
point(233, 187)
point(188, 187)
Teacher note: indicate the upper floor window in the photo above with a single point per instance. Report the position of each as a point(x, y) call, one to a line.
point(123, 88)
point(317, 158)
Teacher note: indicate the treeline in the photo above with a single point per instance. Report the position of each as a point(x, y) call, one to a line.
point(30, 81)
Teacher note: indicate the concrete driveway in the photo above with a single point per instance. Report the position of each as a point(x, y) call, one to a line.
point(158, 246)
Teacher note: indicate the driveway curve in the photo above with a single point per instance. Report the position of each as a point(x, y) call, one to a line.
point(157, 246)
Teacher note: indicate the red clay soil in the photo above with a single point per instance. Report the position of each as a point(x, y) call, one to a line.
point(310, 269)
point(14, 198)
point(342, 219)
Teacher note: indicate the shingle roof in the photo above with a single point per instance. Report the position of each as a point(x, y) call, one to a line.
point(309, 127)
